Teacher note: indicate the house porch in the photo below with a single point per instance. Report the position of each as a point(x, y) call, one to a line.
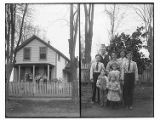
point(33, 72)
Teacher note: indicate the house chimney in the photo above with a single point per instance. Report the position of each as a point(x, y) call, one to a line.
point(49, 42)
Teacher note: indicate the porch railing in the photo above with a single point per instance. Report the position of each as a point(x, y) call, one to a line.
point(41, 89)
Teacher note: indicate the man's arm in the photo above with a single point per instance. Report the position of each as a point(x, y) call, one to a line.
point(136, 71)
point(122, 74)
point(108, 68)
point(91, 72)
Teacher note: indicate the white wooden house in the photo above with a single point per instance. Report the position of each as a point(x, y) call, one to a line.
point(35, 57)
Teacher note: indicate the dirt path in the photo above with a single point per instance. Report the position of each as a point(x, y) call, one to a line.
point(143, 105)
point(141, 109)
point(27, 108)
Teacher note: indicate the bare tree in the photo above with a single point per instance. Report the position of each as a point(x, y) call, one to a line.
point(115, 19)
point(74, 23)
point(89, 17)
point(10, 27)
point(145, 12)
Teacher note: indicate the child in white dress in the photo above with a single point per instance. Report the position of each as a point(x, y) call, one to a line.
point(102, 85)
point(114, 89)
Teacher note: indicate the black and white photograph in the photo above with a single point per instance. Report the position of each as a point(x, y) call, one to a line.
point(116, 60)
point(79, 59)
point(41, 60)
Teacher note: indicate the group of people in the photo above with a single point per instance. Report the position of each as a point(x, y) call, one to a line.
point(38, 77)
point(113, 79)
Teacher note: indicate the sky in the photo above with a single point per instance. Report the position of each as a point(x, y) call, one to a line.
point(53, 20)
point(102, 24)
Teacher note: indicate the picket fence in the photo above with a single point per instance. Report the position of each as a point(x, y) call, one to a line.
point(85, 69)
point(41, 89)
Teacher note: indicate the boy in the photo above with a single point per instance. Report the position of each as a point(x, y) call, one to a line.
point(129, 76)
point(95, 71)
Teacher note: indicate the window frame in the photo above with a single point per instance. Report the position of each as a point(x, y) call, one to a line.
point(40, 53)
point(29, 53)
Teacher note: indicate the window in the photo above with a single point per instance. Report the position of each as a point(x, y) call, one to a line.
point(43, 52)
point(59, 57)
point(26, 53)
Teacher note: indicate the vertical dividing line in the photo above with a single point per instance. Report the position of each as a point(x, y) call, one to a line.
point(79, 61)
point(153, 56)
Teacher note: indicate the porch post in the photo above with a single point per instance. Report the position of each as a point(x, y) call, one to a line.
point(33, 73)
point(19, 72)
point(48, 72)
point(34, 82)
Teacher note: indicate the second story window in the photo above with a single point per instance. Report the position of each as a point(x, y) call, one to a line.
point(43, 53)
point(26, 53)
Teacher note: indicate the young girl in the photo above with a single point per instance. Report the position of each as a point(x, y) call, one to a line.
point(114, 89)
point(102, 85)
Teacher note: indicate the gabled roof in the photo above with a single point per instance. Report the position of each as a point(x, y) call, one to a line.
point(42, 41)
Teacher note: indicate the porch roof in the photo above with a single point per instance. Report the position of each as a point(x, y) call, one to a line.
point(30, 64)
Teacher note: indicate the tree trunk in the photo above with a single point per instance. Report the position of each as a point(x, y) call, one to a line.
point(8, 72)
point(10, 44)
point(21, 30)
point(74, 80)
point(10, 40)
point(89, 17)
point(150, 49)
point(72, 44)
point(13, 17)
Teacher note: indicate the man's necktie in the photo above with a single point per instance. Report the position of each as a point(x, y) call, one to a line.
point(129, 65)
point(97, 67)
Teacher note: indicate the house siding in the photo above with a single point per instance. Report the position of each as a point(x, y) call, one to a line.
point(60, 66)
point(34, 58)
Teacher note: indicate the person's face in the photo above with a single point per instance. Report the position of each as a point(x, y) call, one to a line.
point(102, 72)
point(129, 56)
point(113, 79)
point(114, 56)
point(114, 67)
point(98, 58)
point(103, 51)
point(122, 54)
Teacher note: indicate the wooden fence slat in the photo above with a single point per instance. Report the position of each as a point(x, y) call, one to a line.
point(29, 89)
